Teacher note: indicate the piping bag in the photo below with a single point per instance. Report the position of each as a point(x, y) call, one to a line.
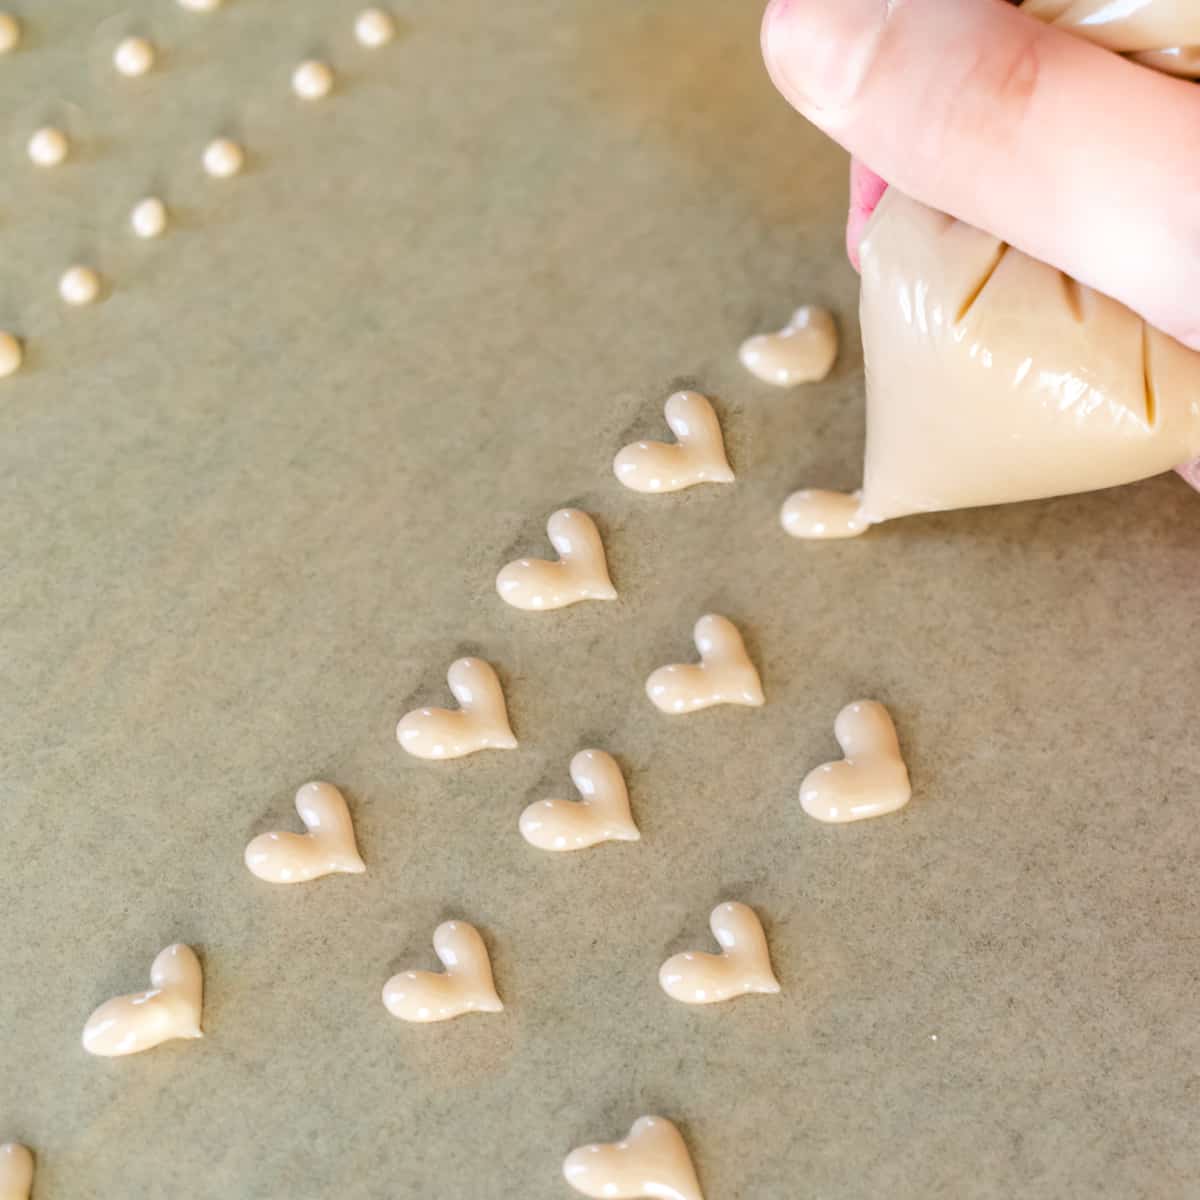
point(994, 378)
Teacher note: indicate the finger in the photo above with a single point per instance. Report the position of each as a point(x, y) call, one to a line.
point(1191, 472)
point(866, 191)
point(1064, 150)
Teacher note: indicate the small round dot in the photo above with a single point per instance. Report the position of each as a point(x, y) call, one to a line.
point(79, 286)
point(311, 80)
point(149, 217)
point(200, 5)
point(134, 56)
point(48, 147)
point(11, 354)
point(223, 158)
point(10, 32)
point(374, 27)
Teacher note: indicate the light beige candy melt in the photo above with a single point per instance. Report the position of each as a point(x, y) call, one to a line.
point(724, 675)
point(481, 723)
point(581, 572)
point(16, 1171)
point(742, 967)
point(170, 1009)
point(803, 351)
point(465, 986)
point(603, 815)
point(698, 455)
point(652, 1162)
point(871, 780)
point(327, 848)
point(815, 514)
point(993, 378)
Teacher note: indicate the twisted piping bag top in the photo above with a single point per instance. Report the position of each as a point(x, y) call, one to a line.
point(992, 377)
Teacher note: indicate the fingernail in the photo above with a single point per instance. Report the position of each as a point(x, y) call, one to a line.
point(818, 52)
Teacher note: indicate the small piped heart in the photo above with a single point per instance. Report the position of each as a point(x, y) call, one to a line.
point(481, 723)
point(465, 986)
point(803, 351)
point(16, 1171)
point(603, 815)
point(871, 780)
point(170, 1009)
point(581, 572)
point(651, 1163)
point(724, 675)
point(698, 456)
point(815, 514)
point(742, 967)
point(327, 848)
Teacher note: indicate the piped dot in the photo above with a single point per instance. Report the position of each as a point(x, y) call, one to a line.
point(10, 32)
point(134, 56)
point(224, 158)
point(79, 286)
point(312, 79)
point(12, 354)
point(374, 28)
point(149, 217)
point(48, 147)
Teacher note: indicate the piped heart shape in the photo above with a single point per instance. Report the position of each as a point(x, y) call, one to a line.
point(327, 848)
point(481, 723)
point(724, 675)
point(871, 780)
point(581, 572)
point(16, 1171)
point(815, 514)
point(465, 986)
point(803, 351)
point(603, 815)
point(652, 1162)
point(697, 457)
point(742, 967)
point(170, 1009)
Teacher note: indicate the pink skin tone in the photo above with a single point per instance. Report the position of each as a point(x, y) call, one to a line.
point(1006, 139)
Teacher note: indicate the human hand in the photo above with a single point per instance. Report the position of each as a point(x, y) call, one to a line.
point(1070, 153)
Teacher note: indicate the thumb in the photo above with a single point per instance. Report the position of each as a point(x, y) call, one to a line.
point(1060, 148)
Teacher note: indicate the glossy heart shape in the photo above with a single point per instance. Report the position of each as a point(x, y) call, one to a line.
point(465, 986)
point(651, 1162)
point(698, 455)
point(603, 815)
point(871, 780)
point(327, 848)
point(724, 675)
point(581, 572)
point(480, 723)
point(742, 967)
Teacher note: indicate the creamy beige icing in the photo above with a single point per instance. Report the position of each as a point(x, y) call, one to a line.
point(10, 32)
point(1173, 60)
point(812, 513)
point(170, 1009)
point(16, 1171)
point(1124, 25)
point(603, 815)
point(651, 1162)
point(327, 848)
point(581, 572)
point(871, 780)
point(465, 986)
point(742, 967)
point(12, 354)
point(803, 351)
point(698, 455)
point(481, 723)
point(724, 675)
point(994, 378)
